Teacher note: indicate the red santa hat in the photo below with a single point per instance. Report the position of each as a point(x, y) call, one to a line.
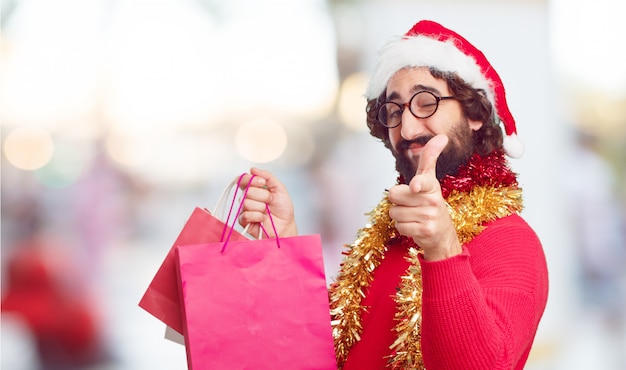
point(429, 44)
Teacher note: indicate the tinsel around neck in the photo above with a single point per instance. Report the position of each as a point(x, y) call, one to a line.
point(489, 170)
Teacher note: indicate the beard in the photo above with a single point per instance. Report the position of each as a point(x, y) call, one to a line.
point(457, 153)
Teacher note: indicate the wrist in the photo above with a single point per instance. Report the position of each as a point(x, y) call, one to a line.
point(290, 229)
point(443, 251)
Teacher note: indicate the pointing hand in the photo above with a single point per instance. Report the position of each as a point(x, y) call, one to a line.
point(419, 209)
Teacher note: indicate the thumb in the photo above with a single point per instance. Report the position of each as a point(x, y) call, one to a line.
point(425, 179)
point(266, 179)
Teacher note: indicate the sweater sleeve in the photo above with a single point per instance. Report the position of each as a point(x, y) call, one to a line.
point(481, 308)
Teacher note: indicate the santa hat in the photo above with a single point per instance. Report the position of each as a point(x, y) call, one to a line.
point(429, 44)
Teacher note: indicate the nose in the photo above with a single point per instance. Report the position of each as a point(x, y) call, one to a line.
point(411, 127)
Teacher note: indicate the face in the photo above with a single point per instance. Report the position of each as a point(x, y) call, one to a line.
point(408, 139)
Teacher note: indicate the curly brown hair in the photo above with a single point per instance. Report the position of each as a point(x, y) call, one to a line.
point(475, 105)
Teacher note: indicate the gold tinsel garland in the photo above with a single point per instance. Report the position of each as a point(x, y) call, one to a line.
point(364, 256)
point(469, 212)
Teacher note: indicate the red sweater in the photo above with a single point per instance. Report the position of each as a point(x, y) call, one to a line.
point(480, 309)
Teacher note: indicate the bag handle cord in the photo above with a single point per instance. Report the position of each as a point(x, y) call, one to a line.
point(232, 227)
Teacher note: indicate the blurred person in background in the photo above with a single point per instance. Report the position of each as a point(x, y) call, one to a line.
point(54, 265)
point(43, 290)
point(598, 223)
point(447, 275)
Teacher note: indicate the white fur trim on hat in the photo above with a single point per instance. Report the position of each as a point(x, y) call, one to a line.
point(423, 51)
point(513, 146)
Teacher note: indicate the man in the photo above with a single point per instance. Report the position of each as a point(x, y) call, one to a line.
point(448, 275)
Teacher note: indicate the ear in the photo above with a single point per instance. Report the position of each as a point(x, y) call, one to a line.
point(474, 125)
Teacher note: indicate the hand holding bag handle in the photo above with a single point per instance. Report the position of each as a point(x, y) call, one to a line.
point(262, 229)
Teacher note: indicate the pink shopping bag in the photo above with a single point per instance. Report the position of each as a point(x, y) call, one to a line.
point(162, 298)
point(256, 304)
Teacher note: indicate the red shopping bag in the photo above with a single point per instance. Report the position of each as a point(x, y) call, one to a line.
point(256, 304)
point(162, 298)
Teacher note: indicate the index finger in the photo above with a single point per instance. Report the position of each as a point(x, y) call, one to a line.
point(430, 154)
point(425, 179)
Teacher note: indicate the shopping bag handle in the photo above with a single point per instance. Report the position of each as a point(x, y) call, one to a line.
point(230, 211)
point(232, 227)
point(220, 206)
point(232, 204)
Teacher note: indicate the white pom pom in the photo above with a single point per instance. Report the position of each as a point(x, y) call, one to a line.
point(513, 146)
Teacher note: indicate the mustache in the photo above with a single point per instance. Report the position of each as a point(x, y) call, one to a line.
point(405, 144)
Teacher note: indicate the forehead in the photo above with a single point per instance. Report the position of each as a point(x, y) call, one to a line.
point(412, 79)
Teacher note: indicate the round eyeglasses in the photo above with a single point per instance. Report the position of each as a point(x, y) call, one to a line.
point(421, 105)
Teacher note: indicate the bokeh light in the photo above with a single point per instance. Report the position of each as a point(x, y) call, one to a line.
point(28, 148)
point(129, 150)
point(261, 140)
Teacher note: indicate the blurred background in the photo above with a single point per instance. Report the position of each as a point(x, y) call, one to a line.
point(120, 116)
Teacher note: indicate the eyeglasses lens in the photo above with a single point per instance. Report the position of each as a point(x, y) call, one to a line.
point(389, 114)
point(423, 104)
